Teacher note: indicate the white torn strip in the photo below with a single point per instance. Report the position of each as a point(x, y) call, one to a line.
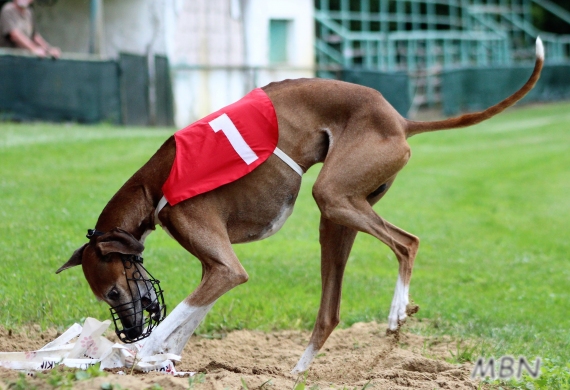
point(85, 346)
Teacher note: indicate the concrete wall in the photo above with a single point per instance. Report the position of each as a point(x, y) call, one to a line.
point(131, 26)
point(206, 34)
point(65, 24)
point(135, 26)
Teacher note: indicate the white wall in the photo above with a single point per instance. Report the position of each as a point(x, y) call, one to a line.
point(205, 35)
point(134, 26)
point(199, 92)
point(257, 14)
point(212, 49)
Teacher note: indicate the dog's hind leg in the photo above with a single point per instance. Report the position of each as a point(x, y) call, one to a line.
point(222, 271)
point(405, 246)
point(336, 243)
point(360, 215)
point(345, 200)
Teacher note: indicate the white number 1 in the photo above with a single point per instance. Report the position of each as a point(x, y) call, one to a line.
point(224, 123)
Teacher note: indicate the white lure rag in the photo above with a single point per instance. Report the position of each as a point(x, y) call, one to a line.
point(88, 348)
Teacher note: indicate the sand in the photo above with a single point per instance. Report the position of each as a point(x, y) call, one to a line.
point(350, 359)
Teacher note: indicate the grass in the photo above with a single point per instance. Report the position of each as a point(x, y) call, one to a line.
point(490, 204)
point(59, 378)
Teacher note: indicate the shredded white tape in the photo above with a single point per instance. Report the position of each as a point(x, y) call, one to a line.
point(89, 348)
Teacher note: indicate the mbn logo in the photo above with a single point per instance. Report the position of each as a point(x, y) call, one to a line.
point(507, 368)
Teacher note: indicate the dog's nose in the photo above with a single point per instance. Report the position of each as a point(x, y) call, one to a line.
point(147, 302)
point(154, 310)
point(149, 305)
point(134, 332)
point(155, 316)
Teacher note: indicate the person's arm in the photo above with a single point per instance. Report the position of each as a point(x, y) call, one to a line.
point(22, 41)
point(51, 50)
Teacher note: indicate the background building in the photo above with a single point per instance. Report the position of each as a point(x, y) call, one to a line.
point(218, 50)
point(164, 62)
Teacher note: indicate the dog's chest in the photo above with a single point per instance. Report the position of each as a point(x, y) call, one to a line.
point(276, 224)
point(263, 222)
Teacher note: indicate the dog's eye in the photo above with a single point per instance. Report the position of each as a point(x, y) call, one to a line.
point(113, 295)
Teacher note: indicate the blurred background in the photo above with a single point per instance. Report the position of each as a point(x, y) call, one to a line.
point(171, 62)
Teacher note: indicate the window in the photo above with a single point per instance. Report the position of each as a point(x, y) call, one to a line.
point(279, 41)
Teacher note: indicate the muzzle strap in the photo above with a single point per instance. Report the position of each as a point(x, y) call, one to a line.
point(93, 233)
point(161, 203)
point(289, 161)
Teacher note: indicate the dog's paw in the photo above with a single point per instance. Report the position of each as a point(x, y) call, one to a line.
point(398, 312)
point(152, 346)
point(305, 360)
point(398, 316)
point(394, 322)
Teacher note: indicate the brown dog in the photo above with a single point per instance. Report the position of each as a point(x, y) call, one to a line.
point(360, 139)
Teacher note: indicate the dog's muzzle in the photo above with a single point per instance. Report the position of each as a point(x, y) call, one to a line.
point(141, 289)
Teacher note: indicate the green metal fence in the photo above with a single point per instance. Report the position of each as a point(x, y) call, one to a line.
point(395, 86)
point(62, 90)
point(476, 88)
point(426, 37)
point(85, 90)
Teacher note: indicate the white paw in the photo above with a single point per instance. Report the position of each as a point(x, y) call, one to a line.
point(397, 314)
point(399, 304)
point(151, 346)
point(305, 360)
point(297, 370)
point(172, 334)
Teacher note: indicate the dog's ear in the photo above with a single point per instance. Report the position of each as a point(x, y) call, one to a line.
point(119, 241)
point(74, 260)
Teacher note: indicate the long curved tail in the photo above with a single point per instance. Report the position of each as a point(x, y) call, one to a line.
point(414, 128)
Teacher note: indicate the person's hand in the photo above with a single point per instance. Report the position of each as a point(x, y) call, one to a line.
point(54, 52)
point(39, 51)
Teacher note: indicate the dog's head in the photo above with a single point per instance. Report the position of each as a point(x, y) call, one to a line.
point(113, 268)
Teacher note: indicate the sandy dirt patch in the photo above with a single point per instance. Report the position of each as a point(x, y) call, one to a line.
point(351, 358)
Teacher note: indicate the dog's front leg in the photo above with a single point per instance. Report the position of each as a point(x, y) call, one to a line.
point(174, 332)
point(222, 271)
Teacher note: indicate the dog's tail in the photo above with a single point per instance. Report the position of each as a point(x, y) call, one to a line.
point(414, 128)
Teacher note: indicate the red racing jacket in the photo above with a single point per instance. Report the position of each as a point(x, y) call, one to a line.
point(222, 147)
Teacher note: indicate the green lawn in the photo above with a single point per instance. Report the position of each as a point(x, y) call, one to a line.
point(489, 203)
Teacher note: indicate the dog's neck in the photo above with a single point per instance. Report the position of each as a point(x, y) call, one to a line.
point(131, 209)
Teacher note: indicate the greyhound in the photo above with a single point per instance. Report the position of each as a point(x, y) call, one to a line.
point(361, 141)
